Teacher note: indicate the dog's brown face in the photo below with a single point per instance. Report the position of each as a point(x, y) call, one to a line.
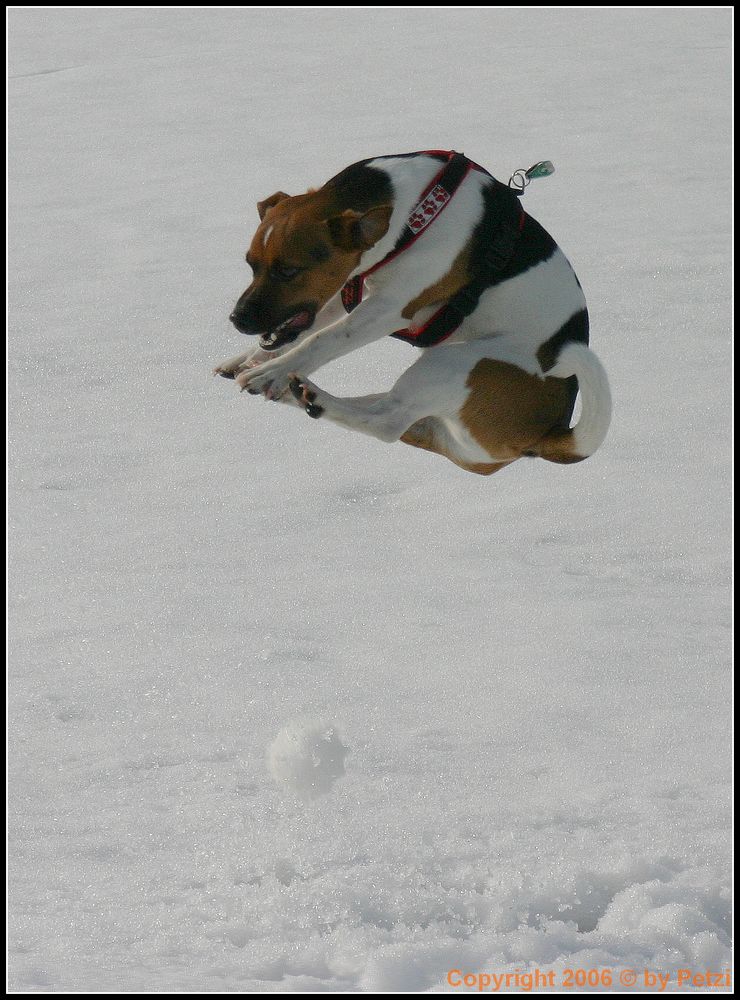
point(301, 255)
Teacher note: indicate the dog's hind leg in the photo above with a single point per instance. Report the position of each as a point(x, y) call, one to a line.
point(380, 415)
point(432, 434)
point(434, 386)
point(385, 417)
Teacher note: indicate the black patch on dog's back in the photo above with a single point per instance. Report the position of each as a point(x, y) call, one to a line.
point(533, 246)
point(361, 187)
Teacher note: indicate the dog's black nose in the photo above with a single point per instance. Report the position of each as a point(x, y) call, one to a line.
point(240, 322)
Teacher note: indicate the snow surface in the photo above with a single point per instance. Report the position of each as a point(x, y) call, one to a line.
point(307, 757)
point(530, 672)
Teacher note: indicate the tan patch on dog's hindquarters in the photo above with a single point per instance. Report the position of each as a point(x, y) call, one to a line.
point(441, 291)
point(509, 412)
point(422, 435)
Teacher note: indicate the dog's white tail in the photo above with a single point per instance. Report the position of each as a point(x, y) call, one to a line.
point(596, 407)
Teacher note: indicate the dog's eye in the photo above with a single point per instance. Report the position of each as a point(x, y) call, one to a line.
point(284, 272)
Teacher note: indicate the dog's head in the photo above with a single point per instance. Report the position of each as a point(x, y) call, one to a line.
point(301, 255)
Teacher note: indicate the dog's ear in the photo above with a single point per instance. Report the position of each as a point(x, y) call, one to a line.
point(263, 207)
point(357, 230)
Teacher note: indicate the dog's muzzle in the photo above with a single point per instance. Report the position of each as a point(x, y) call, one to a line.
point(279, 334)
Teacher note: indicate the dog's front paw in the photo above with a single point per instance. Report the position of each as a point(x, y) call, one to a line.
point(307, 394)
point(269, 379)
point(232, 367)
point(229, 369)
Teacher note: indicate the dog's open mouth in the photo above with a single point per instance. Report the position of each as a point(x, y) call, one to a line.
point(288, 330)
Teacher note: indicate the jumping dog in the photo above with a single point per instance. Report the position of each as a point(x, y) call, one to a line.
point(430, 248)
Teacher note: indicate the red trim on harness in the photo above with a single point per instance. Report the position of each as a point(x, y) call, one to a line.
point(434, 199)
point(412, 335)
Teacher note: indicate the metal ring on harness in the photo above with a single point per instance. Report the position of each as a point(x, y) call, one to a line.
point(519, 181)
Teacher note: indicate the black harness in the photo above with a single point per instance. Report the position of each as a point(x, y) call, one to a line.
point(498, 234)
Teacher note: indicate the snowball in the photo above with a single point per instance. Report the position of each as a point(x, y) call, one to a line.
point(307, 757)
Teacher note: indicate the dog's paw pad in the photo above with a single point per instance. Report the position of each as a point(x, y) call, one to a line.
point(306, 396)
point(296, 387)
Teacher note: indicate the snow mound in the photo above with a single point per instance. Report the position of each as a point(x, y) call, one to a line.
point(307, 757)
